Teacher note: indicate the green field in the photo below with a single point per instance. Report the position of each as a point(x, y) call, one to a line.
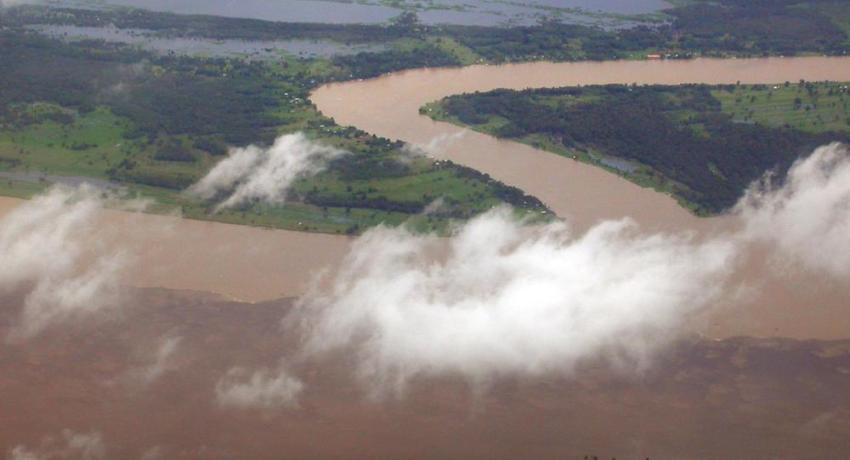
point(94, 144)
point(85, 147)
point(811, 107)
point(464, 54)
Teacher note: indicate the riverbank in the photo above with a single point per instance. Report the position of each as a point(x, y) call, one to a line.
point(702, 144)
point(793, 303)
point(256, 264)
point(389, 107)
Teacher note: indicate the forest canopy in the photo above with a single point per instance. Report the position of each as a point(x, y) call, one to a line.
point(705, 144)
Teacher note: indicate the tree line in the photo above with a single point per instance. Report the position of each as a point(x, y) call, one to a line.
point(678, 132)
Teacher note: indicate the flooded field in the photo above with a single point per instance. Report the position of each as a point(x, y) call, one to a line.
point(464, 12)
point(254, 49)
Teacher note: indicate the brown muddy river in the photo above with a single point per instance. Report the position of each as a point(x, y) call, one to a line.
point(584, 194)
point(257, 264)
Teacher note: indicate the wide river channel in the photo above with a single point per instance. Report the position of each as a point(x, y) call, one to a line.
point(256, 264)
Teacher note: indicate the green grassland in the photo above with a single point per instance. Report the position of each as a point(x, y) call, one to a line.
point(810, 107)
point(81, 147)
point(463, 54)
point(93, 145)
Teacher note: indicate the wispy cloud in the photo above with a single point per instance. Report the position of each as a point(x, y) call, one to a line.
point(49, 247)
point(437, 145)
point(153, 453)
point(256, 174)
point(263, 388)
point(500, 297)
point(160, 360)
point(83, 446)
point(808, 216)
point(509, 298)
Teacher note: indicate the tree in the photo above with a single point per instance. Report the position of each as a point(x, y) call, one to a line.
point(407, 20)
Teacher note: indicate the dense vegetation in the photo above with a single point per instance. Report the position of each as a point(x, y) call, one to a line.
point(705, 144)
point(158, 123)
point(762, 26)
point(697, 27)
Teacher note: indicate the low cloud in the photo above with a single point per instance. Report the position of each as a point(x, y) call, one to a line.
point(265, 389)
point(510, 299)
point(70, 445)
point(50, 248)
point(161, 360)
point(808, 216)
point(256, 174)
point(437, 145)
point(153, 453)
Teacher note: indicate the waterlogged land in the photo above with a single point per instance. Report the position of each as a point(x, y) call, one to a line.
point(699, 28)
point(204, 47)
point(703, 144)
point(610, 13)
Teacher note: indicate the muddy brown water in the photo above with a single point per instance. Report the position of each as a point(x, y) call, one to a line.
point(254, 264)
point(388, 106)
point(237, 261)
point(799, 304)
point(705, 400)
point(702, 398)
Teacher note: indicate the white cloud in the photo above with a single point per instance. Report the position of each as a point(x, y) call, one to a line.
point(808, 217)
point(71, 445)
point(153, 453)
point(261, 389)
point(253, 173)
point(161, 360)
point(48, 246)
point(20, 452)
point(510, 299)
point(437, 145)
